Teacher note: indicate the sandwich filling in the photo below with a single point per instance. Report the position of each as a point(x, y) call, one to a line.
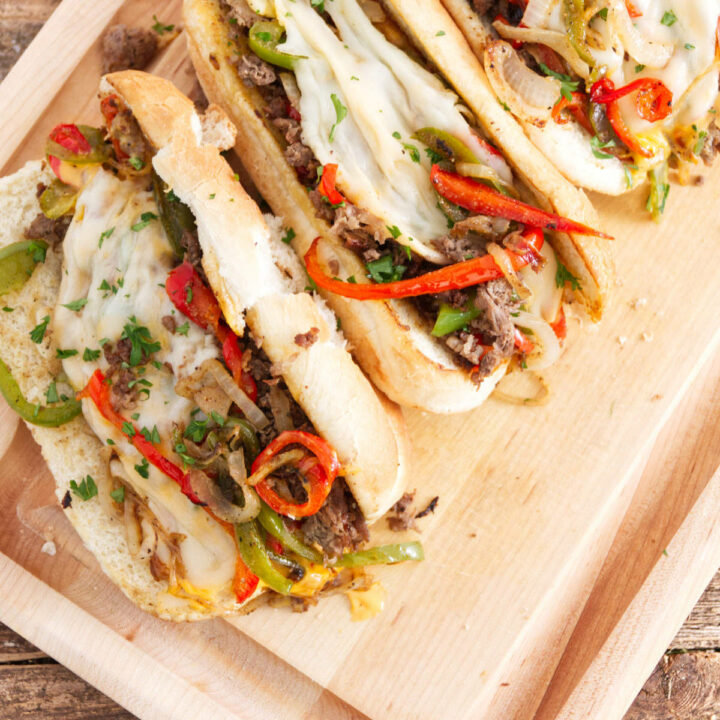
point(402, 173)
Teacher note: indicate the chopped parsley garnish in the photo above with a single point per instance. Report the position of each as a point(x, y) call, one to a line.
point(183, 329)
point(603, 13)
point(160, 28)
point(394, 230)
point(171, 196)
point(265, 37)
point(136, 162)
point(413, 151)
point(196, 430)
point(76, 305)
point(143, 469)
point(38, 332)
point(63, 354)
point(181, 450)
point(563, 276)
point(504, 106)
point(8, 309)
point(639, 68)
point(598, 145)
point(38, 250)
point(86, 489)
point(567, 85)
point(107, 288)
point(700, 143)
point(145, 219)
point(152, 436)
point(118, 495)
point(383, 270)
point(689, 46)
point(397, 135)
point(340, 114)
point(439, 33)
point(289, 236)
point(142, 343)
point(90, 355)
point(669, 18)
point(433, 156)
point(212, 196)
point(104, 235)
point(319, 5)
point(129, 429)
point(217, 417)
point(659, 190)
point(51, 394)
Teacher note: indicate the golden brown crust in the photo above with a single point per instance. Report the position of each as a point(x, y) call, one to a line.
point(389, 339)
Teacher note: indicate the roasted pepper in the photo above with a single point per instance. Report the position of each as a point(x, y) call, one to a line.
point(35, 414)
point(176, 217)
point(275, 526)
point(575, 18)
point(58, 199)
point(17, 262)
point(446, 145)
point(255, 556)
point(452, 318)
point(383, 555)
point(77, 144)
point(263, 40)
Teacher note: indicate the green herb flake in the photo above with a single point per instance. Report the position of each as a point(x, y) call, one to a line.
point(8, 309)
point(319, 5)
point(86, 489)
point(38, 332)
point(161, 28)
point(143, 469)
point(598, 146)
point(563, 276)
point(602, 14)
point(183, 329)
point(212, 196)
point(181, 450)
point(669, 18)
point(142, 343)
point(567, 85)
point(118, 495)
point(64, 354)
point(90, 355)
point(188, 294)
point(145, 219)
point(129, 429)
point(51, 394)
point(700, 142)
point(394, 230)
point(38, 251)
point(104, 235)
point(383, 270)
point(76, 305)
point(413, 152)
point(689, 46)
point(136, 162)
point(639, 68)
point(289, 236)
point(439, 33)
point(218, 418)
point(340, 114)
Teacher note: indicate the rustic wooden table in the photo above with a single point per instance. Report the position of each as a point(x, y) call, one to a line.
point(684, 686)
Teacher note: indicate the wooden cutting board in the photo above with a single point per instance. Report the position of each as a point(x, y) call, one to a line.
point(524, 541)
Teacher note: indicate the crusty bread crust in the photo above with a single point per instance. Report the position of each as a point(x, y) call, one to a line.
point(367, 432)
point(389, 339)
point(587, 257)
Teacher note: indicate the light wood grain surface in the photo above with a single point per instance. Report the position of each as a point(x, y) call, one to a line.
point(683, 687)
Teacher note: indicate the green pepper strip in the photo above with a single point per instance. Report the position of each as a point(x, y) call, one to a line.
point(17, 263)
point(58, 199)
point(445, 145)
point(575, 10)
point(263, 40)
point(451, 318)
point(383, 555)
point(176, 217)
point(249, 437)
point(274, 525)
point(255, 556)
point(35, 414)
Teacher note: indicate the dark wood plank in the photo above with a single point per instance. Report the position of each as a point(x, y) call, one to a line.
point(52, 692)
point(702, 628)
point(14, 649)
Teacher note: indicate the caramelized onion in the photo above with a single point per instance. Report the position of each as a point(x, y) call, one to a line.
point(251, 411)
point(220, 506)
point(280, 408)
point(547, 346)
point(238, 472)
point(502, 258)
point(267, 468)
point(537, 12)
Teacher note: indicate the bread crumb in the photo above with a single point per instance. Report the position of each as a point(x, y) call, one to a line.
point(647, 336)
point(49, 548)
point(621, 340)
point(638, 303)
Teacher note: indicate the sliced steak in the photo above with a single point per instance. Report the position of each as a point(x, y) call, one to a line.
point(712, 144)
point(51, 231)
point(128, 136)
point(402, 513)
point(255, 72)
point(338, 525)
point(125, 48)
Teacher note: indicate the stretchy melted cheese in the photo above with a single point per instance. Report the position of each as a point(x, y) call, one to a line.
point(388, 97)
point(123, 279)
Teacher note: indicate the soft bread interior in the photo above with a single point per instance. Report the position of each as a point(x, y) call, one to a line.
point(71, 451)
point(238, 260)
point(388, 338)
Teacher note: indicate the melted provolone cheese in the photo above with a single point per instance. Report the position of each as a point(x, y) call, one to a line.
point(121, 279)
point(688, 28)
point(388, 97)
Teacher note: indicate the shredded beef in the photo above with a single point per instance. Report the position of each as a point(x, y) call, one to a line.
point(322, 209)
point(429, 508)
point(122, 395)
point(125, 130)
point(403, 513)
point(277, 107)
point(338, 525)
point(359, 229)
point(712, 144)
point(254, 71)
point(193, 252)
point(305, 340)
point(168, 322)
point(124, 48)
point(291, 129)
point(51, 231)
point(495, 302)
point(241, 11)
point(460, 248)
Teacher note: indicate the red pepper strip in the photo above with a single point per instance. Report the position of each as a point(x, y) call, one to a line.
point(320, 470)
point(244, 582)
point(99, 392)
point(195, 300)
point(451, 277)
point(327, 184)
point(523, 342)
point(480, 198)
point(110, 106)
point(560, 325)
point(633, 12)
point(653, 101)
point(274, 545)
point(70, 138)
point(576, 106)
point(55, 165)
